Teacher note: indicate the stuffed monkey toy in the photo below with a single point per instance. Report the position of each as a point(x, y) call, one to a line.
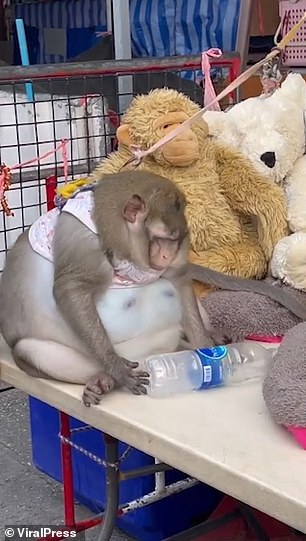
point(235, 216)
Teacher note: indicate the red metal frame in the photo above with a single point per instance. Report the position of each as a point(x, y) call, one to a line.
point(67, 479)
point(67, 473)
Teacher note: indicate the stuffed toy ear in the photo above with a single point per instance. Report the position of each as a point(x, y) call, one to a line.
point(123, 135)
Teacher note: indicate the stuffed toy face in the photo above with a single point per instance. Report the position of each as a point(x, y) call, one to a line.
point(150, 117)
point(270, 131)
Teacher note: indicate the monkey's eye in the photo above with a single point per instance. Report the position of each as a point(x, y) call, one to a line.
point(166, 126)
point(177, 205)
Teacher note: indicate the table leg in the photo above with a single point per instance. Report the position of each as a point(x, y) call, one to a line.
point(67, 471)
point(112, 487)
point(254, 525)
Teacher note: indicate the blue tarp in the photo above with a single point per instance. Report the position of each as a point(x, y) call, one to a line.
point(158, 27)
point(170, 27)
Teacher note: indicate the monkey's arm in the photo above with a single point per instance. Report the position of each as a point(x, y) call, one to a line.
point(250, 193)
point(81, 274)
point(197, 329)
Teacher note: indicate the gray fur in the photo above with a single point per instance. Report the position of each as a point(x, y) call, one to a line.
point(244, 313)
point(284, 387)
point(81, 271)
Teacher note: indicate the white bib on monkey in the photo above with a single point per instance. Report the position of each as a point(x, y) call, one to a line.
point(141, 310)
point(81, 206)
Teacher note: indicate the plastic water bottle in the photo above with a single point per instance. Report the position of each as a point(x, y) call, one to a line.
point(184, 371)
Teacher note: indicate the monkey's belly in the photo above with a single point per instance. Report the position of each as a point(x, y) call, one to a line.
point(126, 313)
point(133, 311)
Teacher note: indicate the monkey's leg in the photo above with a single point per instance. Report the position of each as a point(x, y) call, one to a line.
point(244, 259)
point(51, 360)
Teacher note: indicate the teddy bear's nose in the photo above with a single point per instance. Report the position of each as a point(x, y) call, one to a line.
point(268, 158)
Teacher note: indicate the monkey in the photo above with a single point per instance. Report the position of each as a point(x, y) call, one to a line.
point(93, 288)
point(285, 297)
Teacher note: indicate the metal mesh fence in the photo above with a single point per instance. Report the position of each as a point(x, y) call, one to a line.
point(71, 122)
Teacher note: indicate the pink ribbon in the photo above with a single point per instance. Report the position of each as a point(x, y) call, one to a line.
point(61, 147)
point(65, 159)
point(209, 91)
point(138, 153)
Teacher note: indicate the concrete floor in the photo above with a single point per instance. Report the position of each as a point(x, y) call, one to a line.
point(26, 495)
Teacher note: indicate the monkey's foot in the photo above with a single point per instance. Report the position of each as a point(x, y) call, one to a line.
point(96, 387)
point(225, 336)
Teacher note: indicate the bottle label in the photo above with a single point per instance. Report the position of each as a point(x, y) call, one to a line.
point(211, 359)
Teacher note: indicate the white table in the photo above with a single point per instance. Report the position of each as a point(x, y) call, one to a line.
point(222, 437)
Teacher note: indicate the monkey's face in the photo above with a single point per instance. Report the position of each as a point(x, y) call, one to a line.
point(183, 150)
point(167, 230)
point(158, 229)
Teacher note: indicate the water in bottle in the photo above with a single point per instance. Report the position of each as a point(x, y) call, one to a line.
point(184, 371)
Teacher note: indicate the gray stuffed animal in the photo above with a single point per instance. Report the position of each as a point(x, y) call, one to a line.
point(245, 313)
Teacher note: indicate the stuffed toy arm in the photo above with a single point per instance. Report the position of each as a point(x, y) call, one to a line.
point(251, 194)
point(217, 241)
point(288, 262)
point(296, 196)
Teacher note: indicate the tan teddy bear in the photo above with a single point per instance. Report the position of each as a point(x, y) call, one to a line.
point(235, 216)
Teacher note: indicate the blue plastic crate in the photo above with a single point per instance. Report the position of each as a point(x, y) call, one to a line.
point(152, 523)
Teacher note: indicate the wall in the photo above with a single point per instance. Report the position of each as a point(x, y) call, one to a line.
point(270, 17)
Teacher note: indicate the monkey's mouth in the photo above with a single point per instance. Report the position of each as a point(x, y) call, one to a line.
point(162, 251)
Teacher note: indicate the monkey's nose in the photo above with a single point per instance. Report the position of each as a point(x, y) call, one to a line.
point(268, 158)
point(175, 233)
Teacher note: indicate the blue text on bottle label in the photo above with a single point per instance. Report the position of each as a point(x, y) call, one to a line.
point(211, 359)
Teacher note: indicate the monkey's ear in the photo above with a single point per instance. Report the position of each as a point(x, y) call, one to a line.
point(123, 135)
point(132, 207)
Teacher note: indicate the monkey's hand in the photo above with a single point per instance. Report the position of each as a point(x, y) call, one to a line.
point(225, 336)
point(221, 336)
point(216, 337)
point(125, 375)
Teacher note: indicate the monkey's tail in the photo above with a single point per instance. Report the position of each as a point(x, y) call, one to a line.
point(232, 283)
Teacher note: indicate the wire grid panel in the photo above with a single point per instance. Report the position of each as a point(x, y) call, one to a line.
point(32, 129)
point(290, 14)
point(84, 110)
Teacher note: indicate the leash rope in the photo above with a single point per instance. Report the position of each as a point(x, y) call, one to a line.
point(138, 154)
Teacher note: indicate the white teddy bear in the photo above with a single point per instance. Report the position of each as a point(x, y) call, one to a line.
point(270, 131)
